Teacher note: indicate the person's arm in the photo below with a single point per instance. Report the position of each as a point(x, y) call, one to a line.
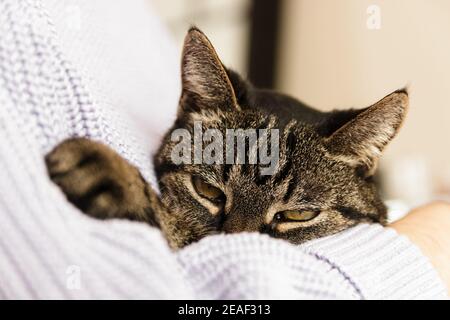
point(364, 262)
point(429, 228)
point(380, 263)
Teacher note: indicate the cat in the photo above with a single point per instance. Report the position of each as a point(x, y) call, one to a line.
point(323, 182)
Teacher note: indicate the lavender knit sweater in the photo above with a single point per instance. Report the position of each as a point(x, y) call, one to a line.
point(48, 249)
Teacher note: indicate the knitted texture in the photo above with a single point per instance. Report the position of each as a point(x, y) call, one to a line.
point(49, 249)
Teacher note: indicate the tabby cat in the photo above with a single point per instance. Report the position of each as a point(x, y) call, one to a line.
point(323, 182)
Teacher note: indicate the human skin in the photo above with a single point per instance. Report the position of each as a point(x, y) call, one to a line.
point(429, 228)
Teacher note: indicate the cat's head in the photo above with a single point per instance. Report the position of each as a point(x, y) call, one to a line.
point(321, 183)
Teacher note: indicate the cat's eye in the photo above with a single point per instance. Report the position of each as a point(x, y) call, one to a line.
point(207, 191)
point(295, 215)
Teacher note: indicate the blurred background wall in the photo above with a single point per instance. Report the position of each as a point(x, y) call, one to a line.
point(341, 54)
point(227, 23)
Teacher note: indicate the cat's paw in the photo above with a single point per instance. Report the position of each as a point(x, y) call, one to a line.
point(99, 181)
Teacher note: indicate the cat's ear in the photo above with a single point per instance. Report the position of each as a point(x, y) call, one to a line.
point(362, 138)
point(204, 79)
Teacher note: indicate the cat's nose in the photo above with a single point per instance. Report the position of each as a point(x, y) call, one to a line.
point(238, 224)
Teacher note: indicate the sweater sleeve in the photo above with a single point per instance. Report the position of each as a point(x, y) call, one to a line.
point(365, 262)
point(50, 250)
point(378, 263)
